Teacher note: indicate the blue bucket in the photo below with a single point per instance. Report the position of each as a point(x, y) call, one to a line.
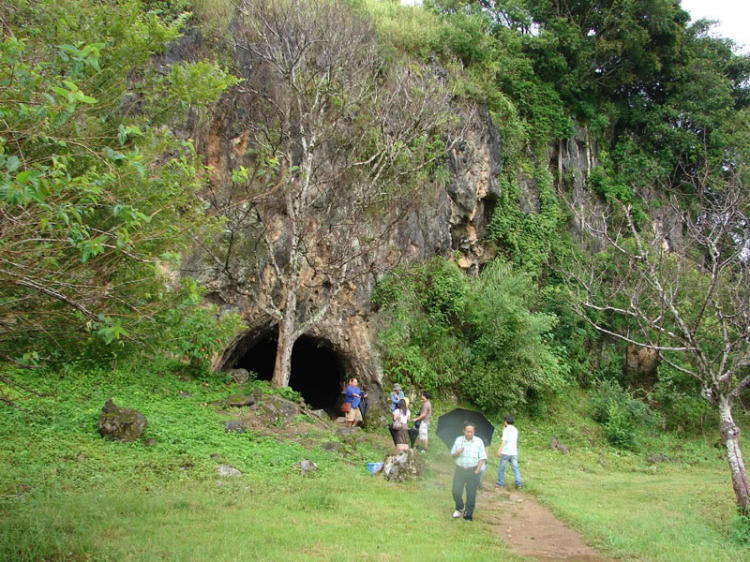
point(373, 467)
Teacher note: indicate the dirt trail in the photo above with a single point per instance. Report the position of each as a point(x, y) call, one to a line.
point(525, 525)
point(530, 529)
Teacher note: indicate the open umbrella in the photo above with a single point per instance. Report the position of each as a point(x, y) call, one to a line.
point(451, 425)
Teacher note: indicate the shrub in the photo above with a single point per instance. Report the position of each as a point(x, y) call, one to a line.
point(622, 415)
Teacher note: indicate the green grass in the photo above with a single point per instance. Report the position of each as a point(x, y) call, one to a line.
point(65, 494)
point(678, 510)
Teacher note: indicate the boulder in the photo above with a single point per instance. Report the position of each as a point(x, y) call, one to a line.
point(239, 400)
point(406, 465)
point(234, 426)
point(277, 410)
point(306, 467)
point(555, 444)
point(240, 376)
point(228, 471)
point(348, 431)
point(333, 446)
point(121, 424)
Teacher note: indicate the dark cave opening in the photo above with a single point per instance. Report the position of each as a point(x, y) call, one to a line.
point(317, 369)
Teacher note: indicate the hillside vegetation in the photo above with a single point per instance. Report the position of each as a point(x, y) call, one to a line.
point(102, 196)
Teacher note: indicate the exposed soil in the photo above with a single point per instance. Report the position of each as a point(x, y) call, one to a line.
point(530, 529)
point(525, 525)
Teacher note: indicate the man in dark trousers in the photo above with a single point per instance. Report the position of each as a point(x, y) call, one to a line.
point(470, 455)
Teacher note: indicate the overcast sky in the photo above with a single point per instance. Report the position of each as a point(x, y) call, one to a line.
point(733, 15)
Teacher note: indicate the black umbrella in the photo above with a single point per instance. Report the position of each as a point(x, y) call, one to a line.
point(363, 408)
point(451, 425)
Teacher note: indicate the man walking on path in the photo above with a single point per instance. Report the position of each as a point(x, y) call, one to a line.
point(470, 455)
point(424, 419)
point(508, 452)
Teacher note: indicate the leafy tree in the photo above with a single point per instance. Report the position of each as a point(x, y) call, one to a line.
point(97, 198)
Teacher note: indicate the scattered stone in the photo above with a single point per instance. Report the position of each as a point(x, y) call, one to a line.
point(320, 414)
point(240, 376)
point(257, 394)
point(555, 444)
point(239, 400)
point(656, 459)
point(602, 462)
point(150, 442)
point(228, 471)
point(214, 456)
point(277, 410)
point(306, 467)
point(348, 431)
point(341, 420)
point(184, 394)
point(406, 465)
point(234, 426)
point(333, 446)
point(121, 424)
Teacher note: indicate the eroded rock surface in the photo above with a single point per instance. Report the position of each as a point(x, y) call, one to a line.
point(121, 424)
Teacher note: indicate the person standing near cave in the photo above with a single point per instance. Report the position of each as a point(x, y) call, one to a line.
point(396, 395)
point(353, 397)
point(423, 420)
point(401, 417)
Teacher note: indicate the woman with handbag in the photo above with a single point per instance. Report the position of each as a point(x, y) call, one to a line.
point(401, 417)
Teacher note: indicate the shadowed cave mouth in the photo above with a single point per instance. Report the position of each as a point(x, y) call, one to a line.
point(317, 369)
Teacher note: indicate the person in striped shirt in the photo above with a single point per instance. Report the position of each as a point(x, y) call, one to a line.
point(470, 455)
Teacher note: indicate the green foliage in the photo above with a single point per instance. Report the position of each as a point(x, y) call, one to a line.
point(442, 329)
point(679, 399)
point(623, 416)
point(527, 239)
point(96, 195)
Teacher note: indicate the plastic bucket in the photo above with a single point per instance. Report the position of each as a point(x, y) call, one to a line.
point(373, 467)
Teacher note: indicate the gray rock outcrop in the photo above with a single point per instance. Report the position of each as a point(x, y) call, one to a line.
point(121, 424)
point(400, 467)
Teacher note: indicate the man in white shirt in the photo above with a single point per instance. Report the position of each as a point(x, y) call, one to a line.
point(470, 455)
point(508, 452)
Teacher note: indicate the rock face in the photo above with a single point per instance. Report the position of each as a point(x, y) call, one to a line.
point(121, 424)
point(452, 219)
point(403, 466)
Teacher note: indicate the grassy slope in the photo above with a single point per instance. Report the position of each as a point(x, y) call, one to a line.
point(681, 509)
point(67, 495)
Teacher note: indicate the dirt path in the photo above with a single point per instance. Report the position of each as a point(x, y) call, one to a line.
point(530, 529)
point(525, 525)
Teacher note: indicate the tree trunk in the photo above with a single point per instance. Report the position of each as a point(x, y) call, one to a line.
point(730, 434)
point(282, 369)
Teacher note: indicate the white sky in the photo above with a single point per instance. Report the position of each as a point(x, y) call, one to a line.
point(733, 15)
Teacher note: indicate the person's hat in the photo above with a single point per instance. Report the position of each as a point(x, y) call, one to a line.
point(396, 386)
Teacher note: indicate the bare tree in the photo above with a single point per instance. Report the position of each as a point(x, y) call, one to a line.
point(338, 142)
point(691, 306)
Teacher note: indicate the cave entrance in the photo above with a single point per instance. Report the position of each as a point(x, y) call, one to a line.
point(317, 369)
